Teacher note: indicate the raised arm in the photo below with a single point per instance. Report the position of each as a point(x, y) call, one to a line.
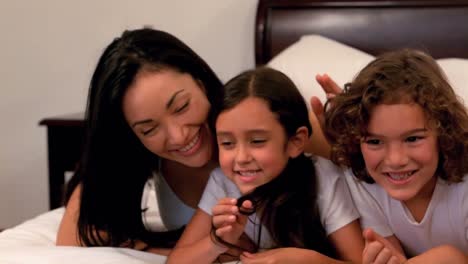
point(318, 144)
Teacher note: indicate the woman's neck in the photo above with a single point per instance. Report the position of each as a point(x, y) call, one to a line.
point(187, 183)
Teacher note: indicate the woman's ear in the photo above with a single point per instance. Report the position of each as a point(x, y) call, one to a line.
point(298, 141)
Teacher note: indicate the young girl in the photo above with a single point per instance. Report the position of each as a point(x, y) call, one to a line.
point(402, 130)
point(266, 188)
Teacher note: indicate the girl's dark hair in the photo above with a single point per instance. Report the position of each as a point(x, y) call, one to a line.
point(114, 165)
point(288, 204)
point(403, 76)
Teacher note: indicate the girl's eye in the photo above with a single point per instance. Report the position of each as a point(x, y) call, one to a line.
point(226, 144)
point(413, 138)
point(184, 106)
point(258, 141)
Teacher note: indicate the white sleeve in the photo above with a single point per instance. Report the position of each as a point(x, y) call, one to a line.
point(334, 200)
point(372, 215)
point(464, 203)
point(218, 187)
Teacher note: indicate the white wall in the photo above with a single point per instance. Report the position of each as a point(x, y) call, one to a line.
point(48, 50)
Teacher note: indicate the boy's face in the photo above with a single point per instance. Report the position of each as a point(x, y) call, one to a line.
point(253, 146)
point(401, 152)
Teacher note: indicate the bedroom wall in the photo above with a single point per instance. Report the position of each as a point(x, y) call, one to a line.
point(48, 50)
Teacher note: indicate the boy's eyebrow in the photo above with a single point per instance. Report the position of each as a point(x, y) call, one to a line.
point(172, 99)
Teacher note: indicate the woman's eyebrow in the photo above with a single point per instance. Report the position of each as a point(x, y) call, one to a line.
point(142, 122)
point(172, 99)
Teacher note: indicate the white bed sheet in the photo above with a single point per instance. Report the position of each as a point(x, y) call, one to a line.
point(34, 242)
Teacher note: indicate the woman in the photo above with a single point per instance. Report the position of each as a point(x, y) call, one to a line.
point(149, 147)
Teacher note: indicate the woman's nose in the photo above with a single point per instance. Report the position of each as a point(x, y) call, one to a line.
point(177, 134)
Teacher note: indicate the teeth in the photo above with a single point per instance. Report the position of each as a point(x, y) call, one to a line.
point(400, 176)
point(248, 173)
point(190, 145)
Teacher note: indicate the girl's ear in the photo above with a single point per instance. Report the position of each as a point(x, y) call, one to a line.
point(297, 142)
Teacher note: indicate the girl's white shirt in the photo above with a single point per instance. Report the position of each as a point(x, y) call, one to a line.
point(336, 207)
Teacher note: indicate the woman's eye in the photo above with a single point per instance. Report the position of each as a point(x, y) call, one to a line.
point(178, 110)
point(148, 131)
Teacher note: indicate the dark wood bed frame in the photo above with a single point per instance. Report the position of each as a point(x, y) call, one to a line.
point(437, 27)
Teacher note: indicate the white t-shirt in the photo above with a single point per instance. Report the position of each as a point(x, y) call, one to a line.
point(334, 201)
point(445, 221)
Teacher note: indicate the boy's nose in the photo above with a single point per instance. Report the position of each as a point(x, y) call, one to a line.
point(396, 156)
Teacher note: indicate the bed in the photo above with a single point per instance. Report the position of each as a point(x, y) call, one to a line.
point(301, 38)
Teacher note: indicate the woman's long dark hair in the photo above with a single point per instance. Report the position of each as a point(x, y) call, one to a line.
point(288, 204)
point(114, 165)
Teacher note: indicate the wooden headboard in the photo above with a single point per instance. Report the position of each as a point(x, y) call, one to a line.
point(437, 27)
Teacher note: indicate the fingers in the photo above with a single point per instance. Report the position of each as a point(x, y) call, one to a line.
point(379, 250)
point(328, 85)
point(317, 106)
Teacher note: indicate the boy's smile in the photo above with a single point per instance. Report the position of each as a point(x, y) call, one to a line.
point(401, 152)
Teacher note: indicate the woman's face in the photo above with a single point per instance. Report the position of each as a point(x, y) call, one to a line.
point(168, 112)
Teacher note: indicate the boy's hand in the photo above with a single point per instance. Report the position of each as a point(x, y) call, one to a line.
point(379, 250)
point(331, 89)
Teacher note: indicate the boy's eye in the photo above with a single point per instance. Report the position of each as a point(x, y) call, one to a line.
point(179, 109)
point(372, 141)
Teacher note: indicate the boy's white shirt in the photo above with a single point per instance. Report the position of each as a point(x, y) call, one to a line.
point(445, 221)
point(334, 200)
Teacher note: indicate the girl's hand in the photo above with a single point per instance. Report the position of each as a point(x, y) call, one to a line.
point(379, 250)
point(229, 224)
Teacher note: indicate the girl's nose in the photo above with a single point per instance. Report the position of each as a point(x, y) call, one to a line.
point(243, 155)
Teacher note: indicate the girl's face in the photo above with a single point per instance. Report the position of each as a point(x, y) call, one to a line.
point(253, 146)
point(401, 152)
point(168, 112)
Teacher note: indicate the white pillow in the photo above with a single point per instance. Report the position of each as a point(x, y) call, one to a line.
point(314, 54)
point(456, 71)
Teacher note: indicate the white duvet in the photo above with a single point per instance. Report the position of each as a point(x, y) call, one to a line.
point(34, 242)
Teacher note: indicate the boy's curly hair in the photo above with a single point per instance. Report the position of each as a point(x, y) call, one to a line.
point(403, 76)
